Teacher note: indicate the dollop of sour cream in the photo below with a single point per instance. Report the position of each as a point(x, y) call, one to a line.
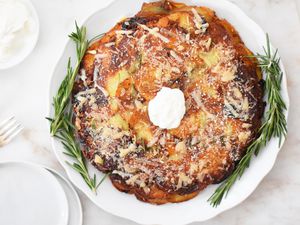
point(167, 108)
point(16, 25)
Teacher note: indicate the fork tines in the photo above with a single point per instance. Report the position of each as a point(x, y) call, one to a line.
point(9, 129)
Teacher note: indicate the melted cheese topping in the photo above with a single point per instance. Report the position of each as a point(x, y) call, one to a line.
point(152, 133)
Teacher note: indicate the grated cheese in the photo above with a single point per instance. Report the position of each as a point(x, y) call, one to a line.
point(175, 56)
point(199, 22)
point(155, 33)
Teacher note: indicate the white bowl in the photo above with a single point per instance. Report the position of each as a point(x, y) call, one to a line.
point(28, 44)
point(197, 209)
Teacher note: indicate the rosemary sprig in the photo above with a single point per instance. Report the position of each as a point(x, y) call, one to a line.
point(61, 126)
point(274, 124)
point(62, 99)
point(66, 135)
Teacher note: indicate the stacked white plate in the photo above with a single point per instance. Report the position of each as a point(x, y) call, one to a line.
point(35, 194)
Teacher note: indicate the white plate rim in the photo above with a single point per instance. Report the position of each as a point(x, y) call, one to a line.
point(74, 192)
point(267, 168)
point(50, 176)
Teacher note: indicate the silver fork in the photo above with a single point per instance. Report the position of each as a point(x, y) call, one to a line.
point(9, 128)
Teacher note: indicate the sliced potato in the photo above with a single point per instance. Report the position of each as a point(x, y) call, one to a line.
point(114, 81)
point(143, 131)
point(153, 9)
point(118, 121)
point(210, 58)
point(183, 19)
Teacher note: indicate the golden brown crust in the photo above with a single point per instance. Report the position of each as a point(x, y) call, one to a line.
point(156, 194)
point(177, 46)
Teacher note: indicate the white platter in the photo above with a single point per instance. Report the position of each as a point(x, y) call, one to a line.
point(32, 194)
point(197, 209)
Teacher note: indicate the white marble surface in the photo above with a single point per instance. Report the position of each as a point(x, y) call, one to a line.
point(24, 93)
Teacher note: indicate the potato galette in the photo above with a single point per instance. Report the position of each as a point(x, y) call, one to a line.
point(173, 45)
